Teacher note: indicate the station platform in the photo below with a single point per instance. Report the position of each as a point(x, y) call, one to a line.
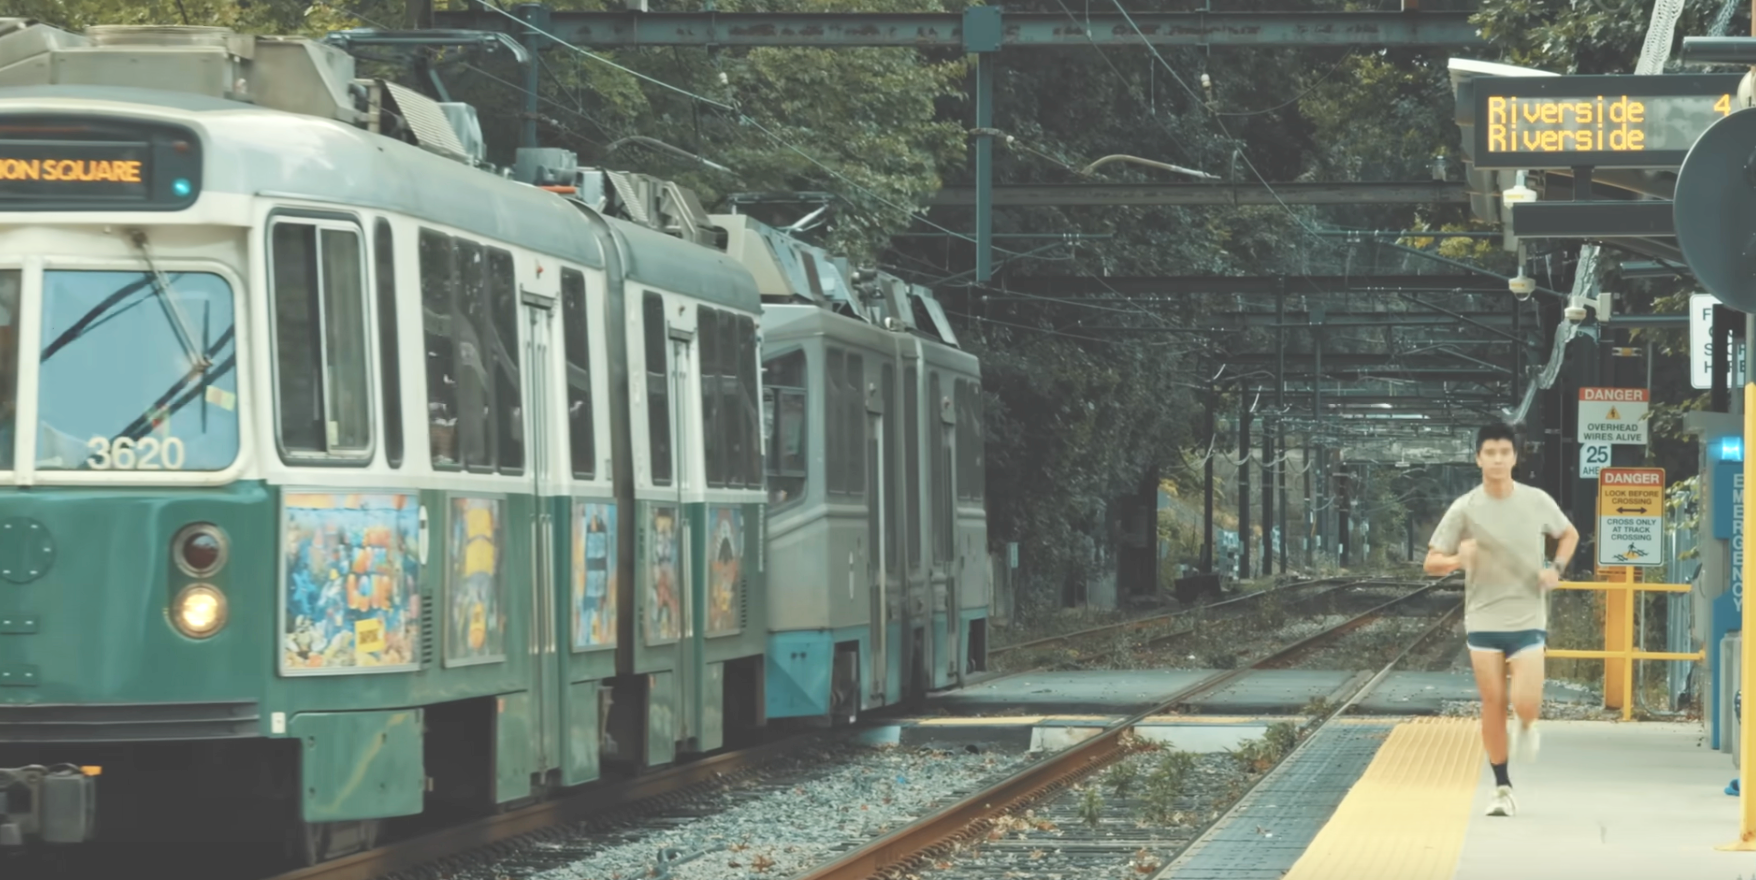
point(1386, 799)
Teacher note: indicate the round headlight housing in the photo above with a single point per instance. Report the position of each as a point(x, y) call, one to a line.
point(199, 549)
point(199, 611)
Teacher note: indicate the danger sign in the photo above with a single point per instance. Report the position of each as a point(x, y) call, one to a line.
point(1631, 516)
point(1613, 415)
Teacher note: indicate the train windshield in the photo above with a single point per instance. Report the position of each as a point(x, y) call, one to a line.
point(137, 372)
point(10, 283)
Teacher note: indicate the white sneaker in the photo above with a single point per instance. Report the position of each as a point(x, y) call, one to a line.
point(1502, 804)
point(1526, 741)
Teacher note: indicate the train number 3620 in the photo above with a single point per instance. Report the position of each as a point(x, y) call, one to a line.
point(127, 454)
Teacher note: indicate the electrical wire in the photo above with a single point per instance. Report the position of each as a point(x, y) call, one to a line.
point(744, 119)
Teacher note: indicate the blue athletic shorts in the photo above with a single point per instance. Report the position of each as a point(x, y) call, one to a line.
point(1509, 643)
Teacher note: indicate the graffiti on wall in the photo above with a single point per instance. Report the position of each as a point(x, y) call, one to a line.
point(475, 600)
point(663, 606)
point(594, 576)
point(725, 558)
point(352, 596)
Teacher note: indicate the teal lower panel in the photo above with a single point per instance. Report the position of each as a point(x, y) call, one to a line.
point(661, 718)
point(580, 749)
point(713, 714)
point(798, 668)
point(893, 666)
point(512, 757)
point(360, 765)
point(941, 676)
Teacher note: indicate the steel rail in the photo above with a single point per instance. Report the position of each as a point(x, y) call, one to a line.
point(1288, 654)
point(1167, 617)
point(973, 815)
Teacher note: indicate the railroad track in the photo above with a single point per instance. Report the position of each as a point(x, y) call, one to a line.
point(491, 845)
point(1236, 603)
point(1301, 601)
point(934, 837)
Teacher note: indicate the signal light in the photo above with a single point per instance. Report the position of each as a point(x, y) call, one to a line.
point(199, 549)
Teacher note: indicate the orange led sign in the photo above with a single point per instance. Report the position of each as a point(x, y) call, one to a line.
point(1607, 121)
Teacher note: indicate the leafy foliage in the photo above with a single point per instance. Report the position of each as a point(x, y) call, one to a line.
point(1086, 400)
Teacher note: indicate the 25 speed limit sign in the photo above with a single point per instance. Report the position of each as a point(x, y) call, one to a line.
point(1593, 457)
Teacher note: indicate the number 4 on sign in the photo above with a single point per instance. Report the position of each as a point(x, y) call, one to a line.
point(1593, 457)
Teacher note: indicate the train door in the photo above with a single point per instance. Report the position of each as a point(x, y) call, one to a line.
point(876, 574)
point(546, 677)
point(687, 460)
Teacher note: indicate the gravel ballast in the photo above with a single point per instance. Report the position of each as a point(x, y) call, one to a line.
point(786, 824)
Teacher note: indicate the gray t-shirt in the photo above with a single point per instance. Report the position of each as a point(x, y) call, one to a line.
point(1500, 591)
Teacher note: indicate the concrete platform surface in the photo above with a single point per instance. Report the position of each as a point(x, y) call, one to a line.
point(1610, 801)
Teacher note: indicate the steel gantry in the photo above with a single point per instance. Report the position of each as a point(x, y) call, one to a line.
point(982, 31)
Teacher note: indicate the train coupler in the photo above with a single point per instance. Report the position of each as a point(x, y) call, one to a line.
point(56, 804)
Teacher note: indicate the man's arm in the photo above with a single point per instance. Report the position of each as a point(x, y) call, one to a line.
point(1445, 551)
point(1441, 564)
point(1564, 547)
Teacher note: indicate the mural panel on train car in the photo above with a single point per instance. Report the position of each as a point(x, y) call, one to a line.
point(351, 568)
point(725, 558)
point(663, 609)
point(475, 600)
point(594, 576)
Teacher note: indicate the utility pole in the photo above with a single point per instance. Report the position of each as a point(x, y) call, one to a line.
point(1243, 484)
point(1212, 446)
point(1269, 469)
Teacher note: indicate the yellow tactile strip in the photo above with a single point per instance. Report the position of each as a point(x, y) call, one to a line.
point(1406, 817)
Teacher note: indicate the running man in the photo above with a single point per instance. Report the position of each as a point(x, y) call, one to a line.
point(1495, 534)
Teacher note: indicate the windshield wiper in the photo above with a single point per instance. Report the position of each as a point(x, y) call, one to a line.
point(162, 285)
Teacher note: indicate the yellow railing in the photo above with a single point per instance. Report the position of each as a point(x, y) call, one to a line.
point(1619, 638)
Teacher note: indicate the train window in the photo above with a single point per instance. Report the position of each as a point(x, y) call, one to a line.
point(320, 339)
point(941, 465)
point(966, 440)
point(959, 400)
point(911, 487)
point(582, 443)
point(469, 333)
point(11, 281)
point(835, 450)
point(783, 394)
point(503, 354)
point(747, 395)
point(389, 367)
point(892, 516)
point(712, 430)
point(658, 390)
point(856, 424)
point(731, 415)
point(438, 282)
point(978, 476)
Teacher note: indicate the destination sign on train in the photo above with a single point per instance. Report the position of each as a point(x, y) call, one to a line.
point(72, 170)
point(1600, 121)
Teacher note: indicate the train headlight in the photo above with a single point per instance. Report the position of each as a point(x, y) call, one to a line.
point(199, 611)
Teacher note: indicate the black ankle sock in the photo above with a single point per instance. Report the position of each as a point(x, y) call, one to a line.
point(1500, 774)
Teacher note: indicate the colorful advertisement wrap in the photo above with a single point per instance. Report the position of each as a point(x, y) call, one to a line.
point(663, 610)
point(594, 576)
point(475, 599)
point(725, 559)
point(352, 568)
